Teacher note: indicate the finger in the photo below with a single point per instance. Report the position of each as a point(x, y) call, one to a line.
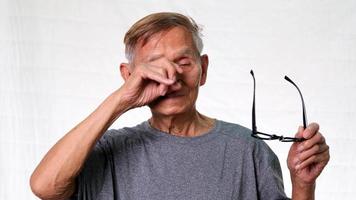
point(316, 139)
point(157, 74)
point(157, 68)
point(163, 89)
point(176, 86)
point(179, 69)
point(172, 70)
point(299, 134)
point(316, 149)
point(169, 67)
point(311, 130)
point(319, 158)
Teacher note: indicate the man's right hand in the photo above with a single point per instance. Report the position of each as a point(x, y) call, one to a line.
point(146, 82)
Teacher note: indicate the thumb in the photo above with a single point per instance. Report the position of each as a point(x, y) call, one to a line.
point(299, 134)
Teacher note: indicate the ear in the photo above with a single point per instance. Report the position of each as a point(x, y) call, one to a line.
point(125, 71)
point(204, 60)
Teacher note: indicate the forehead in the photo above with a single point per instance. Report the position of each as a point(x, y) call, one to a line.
point(171, 43)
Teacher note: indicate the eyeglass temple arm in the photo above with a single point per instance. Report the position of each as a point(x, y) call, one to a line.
point(254, 128)
point(303, 105)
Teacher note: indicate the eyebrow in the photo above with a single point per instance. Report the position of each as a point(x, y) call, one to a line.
point(182, 52)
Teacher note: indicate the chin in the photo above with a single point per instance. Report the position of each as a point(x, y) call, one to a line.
point(167, 111)
point(169, 108)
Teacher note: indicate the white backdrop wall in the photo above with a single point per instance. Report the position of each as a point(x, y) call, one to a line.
point(59, 60)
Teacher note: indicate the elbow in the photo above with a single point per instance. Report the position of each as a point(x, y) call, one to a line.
point(37, 187)
point(40, 188)
point(45, 189)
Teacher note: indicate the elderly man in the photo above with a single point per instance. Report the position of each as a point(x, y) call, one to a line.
point(178, 153)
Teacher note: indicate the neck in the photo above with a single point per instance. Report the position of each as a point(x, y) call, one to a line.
point(186, 125)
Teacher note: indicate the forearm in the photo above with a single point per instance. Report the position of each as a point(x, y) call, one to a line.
point(303, 191)
point(55, 175)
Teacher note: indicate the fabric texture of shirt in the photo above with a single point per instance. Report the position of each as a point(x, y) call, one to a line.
point(143, 163)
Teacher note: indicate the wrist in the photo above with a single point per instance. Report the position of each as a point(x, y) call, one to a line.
point(303, 191)
point(122, 104)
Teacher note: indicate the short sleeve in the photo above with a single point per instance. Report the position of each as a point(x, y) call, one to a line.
point(270, 178)
point(91, 179)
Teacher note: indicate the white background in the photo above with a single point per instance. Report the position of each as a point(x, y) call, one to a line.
point(59, 60)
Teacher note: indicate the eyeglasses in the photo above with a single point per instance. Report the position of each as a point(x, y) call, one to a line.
point(265, 136)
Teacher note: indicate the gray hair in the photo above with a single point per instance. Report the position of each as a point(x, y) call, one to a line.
point(154, 23)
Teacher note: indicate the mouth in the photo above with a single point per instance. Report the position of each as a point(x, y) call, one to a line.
point(169, 96)
point(172, 94)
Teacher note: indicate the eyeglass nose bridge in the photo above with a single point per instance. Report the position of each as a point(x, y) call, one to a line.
point(281, 138)
point(275, 137)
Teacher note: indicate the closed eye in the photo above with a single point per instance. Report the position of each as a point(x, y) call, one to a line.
point(184, 64)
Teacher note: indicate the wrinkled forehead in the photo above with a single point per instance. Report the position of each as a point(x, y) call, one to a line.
point(169, 43)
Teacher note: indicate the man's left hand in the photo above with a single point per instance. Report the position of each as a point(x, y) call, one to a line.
point(307, 159)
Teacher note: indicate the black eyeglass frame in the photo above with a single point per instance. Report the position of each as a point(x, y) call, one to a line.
point(265, 136)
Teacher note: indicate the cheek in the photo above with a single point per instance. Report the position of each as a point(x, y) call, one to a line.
point(192, 79)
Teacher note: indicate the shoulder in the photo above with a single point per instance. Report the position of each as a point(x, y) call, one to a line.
point(236, 132)
point(126, 131)
point(241, 135)
point(123, 136)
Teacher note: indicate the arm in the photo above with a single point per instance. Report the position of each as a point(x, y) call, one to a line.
point(54, 177)
point(306, 160)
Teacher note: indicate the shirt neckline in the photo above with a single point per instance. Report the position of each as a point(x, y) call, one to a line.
point(212, 133)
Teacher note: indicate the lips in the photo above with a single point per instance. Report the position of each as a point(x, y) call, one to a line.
point(168, 96)
point(173, 94)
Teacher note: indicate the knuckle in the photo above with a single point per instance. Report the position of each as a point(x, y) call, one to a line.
point(322, 138)
point(319, 137)
point(171, 69)
point(307, 144)
point(161, 70)
point(318, 148)
point(324, 148)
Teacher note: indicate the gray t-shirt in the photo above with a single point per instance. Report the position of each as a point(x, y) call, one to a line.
point(142, 163)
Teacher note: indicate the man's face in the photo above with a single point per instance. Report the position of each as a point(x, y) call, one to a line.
point(175, 47)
